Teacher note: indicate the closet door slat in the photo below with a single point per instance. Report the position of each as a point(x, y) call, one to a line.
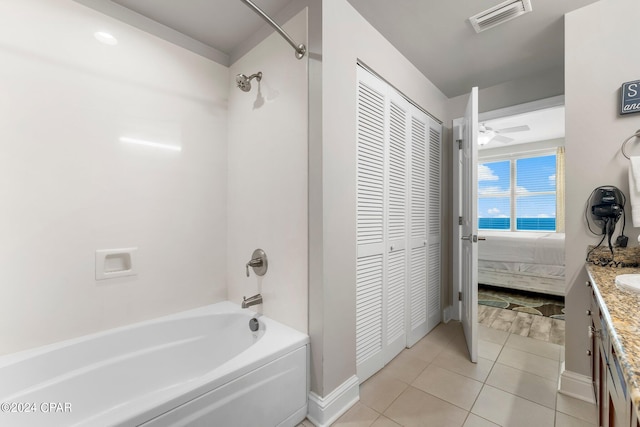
point(435, 225)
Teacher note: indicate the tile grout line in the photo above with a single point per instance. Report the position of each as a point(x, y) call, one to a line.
point(447, 345)
point(554, 409)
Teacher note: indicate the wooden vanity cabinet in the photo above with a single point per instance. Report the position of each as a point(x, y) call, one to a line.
point(597, 359)
point(617, 393)
point(615, 408)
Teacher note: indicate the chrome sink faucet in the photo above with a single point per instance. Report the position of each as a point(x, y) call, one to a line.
point(254, 300)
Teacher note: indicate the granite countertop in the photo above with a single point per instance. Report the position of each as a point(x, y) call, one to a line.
point(620, 309)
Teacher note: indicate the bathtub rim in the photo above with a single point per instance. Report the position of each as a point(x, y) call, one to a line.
point(213, 308)
point(277, 341)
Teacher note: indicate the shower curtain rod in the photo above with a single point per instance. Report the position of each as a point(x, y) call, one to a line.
point(299, 48)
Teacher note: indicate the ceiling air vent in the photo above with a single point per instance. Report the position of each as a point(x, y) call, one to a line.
point(500, 13)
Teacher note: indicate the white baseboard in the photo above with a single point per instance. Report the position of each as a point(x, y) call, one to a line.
point(448, 314)
point(576, 385)
point(325, 410)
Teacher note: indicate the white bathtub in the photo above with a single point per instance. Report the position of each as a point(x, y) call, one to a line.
point(202, 367)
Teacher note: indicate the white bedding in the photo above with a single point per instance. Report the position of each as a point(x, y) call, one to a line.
point(530, 248)
point(526, 261)
point(521, 267)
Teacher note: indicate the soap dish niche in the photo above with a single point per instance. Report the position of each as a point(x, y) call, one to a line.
point(112, 263)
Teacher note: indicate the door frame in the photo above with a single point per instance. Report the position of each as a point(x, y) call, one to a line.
point(528, 107)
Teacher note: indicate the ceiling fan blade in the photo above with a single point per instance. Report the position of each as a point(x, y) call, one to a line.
point(514, 129)
point(501, 139)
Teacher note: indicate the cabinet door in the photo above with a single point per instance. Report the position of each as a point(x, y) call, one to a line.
point(617, 416)
point(635, 422)
point(597, 359)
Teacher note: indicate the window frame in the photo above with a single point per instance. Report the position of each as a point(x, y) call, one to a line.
point(513, 158)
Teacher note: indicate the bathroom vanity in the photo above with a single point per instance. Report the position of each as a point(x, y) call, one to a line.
point(615, 346)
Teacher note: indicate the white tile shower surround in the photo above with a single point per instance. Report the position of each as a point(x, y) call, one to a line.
point(514, 384)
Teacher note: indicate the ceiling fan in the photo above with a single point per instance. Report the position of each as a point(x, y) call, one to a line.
point(488, 134)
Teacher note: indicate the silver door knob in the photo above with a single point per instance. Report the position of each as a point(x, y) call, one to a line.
point(473, 238)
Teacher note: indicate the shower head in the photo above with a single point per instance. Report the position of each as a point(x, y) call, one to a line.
point(244, 82)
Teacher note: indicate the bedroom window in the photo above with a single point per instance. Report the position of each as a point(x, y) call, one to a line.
point(518, 194)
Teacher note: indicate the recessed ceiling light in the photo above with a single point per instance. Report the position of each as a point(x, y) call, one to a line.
point(105, 38)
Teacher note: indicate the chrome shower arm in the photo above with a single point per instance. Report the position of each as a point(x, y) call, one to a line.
point(300, 49)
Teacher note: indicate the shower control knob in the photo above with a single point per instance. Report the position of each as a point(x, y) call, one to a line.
point(258, 262)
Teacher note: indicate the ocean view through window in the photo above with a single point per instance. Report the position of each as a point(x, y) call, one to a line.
point(517, 194)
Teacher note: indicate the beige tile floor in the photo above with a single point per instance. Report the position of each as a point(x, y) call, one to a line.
point(514, 383)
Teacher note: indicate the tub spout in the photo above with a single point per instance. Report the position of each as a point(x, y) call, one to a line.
point(254, 300)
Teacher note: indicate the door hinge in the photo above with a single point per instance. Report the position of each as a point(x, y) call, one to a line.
point(459, 296)
point(459, 144)
point(459, 220)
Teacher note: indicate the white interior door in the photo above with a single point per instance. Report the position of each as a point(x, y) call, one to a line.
point(469, 225)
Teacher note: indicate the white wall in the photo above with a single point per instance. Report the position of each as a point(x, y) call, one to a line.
point(515, 92)
point(69, 186)
point(514, 149)
point(267, 187)
point(346, 37)
point(600, 54)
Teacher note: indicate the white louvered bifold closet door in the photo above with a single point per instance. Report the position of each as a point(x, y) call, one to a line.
point(392, 305)
point(434, 283)
point(371, 124)
point(396, 221)
point(417, 297)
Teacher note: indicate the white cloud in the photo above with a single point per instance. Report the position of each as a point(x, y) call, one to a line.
point(552, 178)
point(486, 174)
point(492, 191)
point(502, 216)
point(545, 216)
point(493, 211)
point(520, 190)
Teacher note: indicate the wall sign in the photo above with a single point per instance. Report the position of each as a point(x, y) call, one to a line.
point(630, 96)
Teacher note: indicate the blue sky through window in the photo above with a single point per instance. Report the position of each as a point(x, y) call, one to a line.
point(535, 200)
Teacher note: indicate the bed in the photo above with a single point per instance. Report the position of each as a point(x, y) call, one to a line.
point(523, 260)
